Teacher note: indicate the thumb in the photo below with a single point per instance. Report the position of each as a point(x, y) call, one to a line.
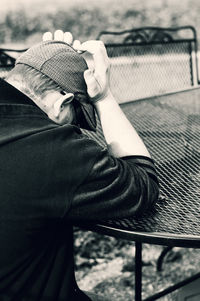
point(93, 86)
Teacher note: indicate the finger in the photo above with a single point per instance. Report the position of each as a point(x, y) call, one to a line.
point(93, 87)
point(92, 46)
point(68, 38)
point(76, 44)
point(99, 53)
point(47, 36)
point(58, 35)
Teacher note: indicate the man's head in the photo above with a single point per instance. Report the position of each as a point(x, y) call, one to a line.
point(51, 73)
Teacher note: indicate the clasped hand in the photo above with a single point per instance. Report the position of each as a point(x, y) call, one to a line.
point(96, 78)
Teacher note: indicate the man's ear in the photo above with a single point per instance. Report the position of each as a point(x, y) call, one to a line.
point(60, 102)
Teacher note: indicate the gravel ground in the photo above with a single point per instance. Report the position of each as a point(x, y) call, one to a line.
point(115, 278)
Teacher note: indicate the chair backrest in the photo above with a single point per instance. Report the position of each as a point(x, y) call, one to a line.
point(7, 60)
point(150, 61)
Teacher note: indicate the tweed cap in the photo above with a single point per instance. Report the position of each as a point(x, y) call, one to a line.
point(60, 62)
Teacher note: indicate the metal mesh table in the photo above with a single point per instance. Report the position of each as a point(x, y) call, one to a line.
point(170, 127)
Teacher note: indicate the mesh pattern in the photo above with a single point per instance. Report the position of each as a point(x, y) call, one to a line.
point(58, 61)
point(169, 126)
point(139, 71)
point(63, 65)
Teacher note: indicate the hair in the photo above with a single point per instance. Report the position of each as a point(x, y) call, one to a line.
point(31, 82)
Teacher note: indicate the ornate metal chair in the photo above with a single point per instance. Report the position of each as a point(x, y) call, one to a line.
point(151, 61)
point(7, 60)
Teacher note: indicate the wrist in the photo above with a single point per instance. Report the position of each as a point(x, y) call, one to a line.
point(107, 97)
point(107, 105)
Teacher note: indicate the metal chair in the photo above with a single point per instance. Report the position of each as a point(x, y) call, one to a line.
point(7, 60)
point(151, 61)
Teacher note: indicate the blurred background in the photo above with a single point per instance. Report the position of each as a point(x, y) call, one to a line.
point(23, 21)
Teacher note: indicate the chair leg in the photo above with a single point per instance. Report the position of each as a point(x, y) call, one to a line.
point(138, 271)
point(161, 258)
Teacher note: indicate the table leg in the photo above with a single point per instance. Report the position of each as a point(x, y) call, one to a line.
point(138, 271)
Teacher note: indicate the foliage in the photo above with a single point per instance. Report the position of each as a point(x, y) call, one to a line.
point(91, 247)
point(86, 21)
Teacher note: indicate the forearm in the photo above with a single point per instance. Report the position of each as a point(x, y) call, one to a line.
point(122, 139)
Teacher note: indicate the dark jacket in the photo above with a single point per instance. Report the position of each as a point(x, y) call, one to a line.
point(50, 177)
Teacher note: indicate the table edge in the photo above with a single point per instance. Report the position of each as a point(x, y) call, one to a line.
point(157, 238)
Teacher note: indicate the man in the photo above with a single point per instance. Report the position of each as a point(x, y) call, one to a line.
point(52, 175)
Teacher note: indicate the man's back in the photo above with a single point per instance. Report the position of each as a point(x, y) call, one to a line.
point(36, 244)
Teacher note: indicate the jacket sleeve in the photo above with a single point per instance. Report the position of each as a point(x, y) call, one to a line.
point(115, 188)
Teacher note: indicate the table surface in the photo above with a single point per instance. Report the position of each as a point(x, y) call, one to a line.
point(170, 127)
